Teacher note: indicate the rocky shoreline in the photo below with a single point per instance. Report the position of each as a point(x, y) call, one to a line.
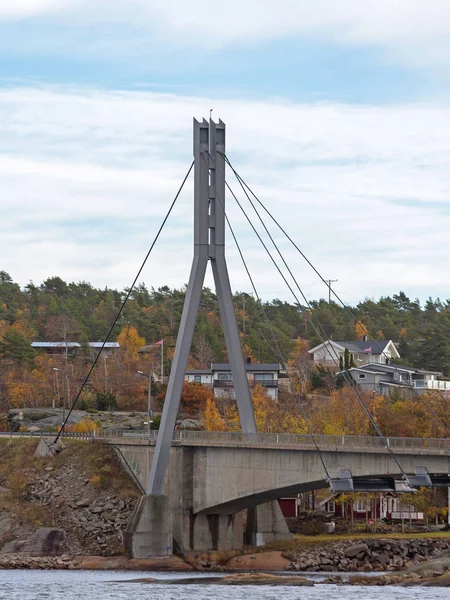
point(372, 554)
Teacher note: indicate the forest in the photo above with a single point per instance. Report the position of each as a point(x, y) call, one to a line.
point(56, 310)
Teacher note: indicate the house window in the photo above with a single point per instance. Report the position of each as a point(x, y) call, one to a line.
point(224, 376)
point(361, 375)
point(360, 506)
point(331, 506)
point(263, 376)
point(197, 378)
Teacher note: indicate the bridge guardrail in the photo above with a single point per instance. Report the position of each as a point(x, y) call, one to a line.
point(269, 439)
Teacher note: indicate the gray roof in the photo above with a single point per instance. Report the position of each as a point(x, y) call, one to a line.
point(248, 367)
point(199, 372)
point(73, 344)
point(387, 368)
point(376, 346)
point(398, 368)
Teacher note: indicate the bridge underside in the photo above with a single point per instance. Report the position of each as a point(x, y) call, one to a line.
point(372, 483)
point(209, 488)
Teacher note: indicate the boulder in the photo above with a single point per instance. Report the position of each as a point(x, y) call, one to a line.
point(190, 424)
point(46, 541)
point(13, 547)
point(6, 527)
point(48, 448)
point(356, 549)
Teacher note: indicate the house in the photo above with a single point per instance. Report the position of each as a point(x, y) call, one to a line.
point(265, 375)
point(386, 506)
point(382, 379)
point(329, 353)
point(70, 348)
point(203, 376)
point(221, 378)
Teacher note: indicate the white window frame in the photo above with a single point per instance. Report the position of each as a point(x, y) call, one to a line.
point(224, 376)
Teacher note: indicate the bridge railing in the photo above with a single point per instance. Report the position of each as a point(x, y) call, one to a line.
point(343, 442)
point(282, 439)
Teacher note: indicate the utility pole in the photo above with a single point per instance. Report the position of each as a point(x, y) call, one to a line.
point(329, 282)
point(149, 399)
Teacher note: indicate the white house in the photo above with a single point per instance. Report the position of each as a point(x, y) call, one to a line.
point(203, 376)
point(363, 351)
point(265, 375)
point(382, 379)
point(220, 378)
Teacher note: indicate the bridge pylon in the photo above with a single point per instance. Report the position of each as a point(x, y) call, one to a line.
point(209, 246)
point(167, 509)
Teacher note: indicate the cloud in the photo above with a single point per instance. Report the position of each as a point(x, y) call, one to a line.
point(87, 176)
point(19, 9)
point(411, 31)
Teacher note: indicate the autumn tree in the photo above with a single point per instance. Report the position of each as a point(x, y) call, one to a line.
point(211, 418)
point(341, 414)
point(130, 341)
point(301, 368)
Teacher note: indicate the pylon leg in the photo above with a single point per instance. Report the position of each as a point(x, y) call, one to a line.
point(177, 373)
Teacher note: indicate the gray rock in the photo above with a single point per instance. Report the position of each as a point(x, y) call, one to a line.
point(46, 541)
point(356, 549)
point(83, 503)
point(13, 547)
point(6, 526)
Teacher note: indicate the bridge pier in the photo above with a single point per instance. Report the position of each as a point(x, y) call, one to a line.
point(266, 524)
point(217, 532)
point(149, 532)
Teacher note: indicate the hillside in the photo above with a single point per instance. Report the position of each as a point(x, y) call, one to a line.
point(83, 491)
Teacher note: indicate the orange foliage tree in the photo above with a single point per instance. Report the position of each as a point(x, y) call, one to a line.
point(360, 329)
point(194, 397)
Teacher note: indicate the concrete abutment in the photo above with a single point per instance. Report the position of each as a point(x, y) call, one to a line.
point(149, 533)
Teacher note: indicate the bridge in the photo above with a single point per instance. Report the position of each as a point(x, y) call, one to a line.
point(216, 480)
point(197, 486)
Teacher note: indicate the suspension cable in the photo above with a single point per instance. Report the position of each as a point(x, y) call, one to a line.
point(347, 308)
point(86, 379)
point(283, 362)
point(345, 375)
point(352, 387)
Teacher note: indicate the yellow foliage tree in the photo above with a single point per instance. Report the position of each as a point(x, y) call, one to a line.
point(211, 419)
point(130, 341)
point(342, 414)
point(86, 425)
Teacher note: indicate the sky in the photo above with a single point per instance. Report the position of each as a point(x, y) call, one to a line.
point(337, 116)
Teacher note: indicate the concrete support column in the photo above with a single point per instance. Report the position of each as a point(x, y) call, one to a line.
point(149, 533)
point(266, 524)
point(217, 532)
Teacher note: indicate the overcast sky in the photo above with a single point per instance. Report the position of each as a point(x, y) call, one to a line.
point(337, 115)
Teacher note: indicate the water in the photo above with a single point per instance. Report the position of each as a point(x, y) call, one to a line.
point(113, 585)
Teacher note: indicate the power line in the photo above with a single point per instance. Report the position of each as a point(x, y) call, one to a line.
point(327, 283)
point(86, 379)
